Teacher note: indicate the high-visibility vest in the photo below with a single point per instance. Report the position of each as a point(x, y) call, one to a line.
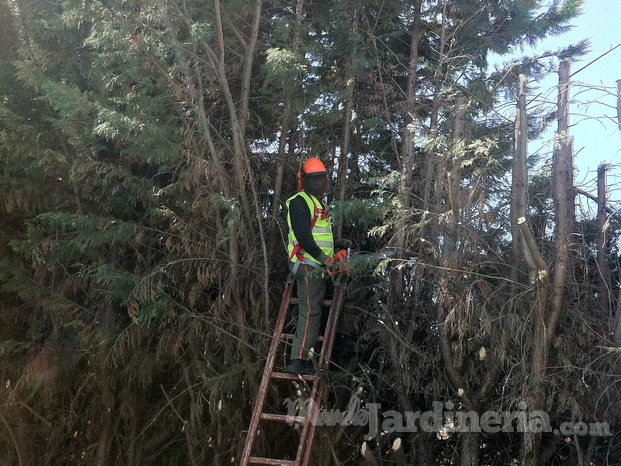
point(321, 229)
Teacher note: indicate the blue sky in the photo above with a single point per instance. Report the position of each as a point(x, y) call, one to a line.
point(593, 116)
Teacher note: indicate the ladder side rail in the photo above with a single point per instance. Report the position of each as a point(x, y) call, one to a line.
point(272, 461)
point(308, 429)
point(332, 324)
point(326, 351)
point(267, 372)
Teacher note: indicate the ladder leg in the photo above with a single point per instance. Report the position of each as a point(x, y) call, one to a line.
point(332, 324)
point(326, 352)
point(267, 373)
point(306, 440)
point(310, 418)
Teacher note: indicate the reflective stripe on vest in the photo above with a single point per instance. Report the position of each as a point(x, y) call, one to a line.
point(320, 228)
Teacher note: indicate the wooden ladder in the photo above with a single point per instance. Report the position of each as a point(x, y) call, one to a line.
point(309, 418)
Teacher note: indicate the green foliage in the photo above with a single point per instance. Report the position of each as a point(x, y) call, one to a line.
point(283, 66)
point(12, 348)
point(139, 245)
point(201, 32)
point(366, 211)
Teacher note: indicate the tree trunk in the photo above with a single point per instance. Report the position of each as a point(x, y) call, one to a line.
point(562, 194)
point(566, 148)
point(617, 323)
point(545, 321)
point(286, 118)
point(434, 174)
point(519, 195)
point(519, 189)
point(605, 297)
point(524, 243)
point(341, 180)
point(105, 439)
point(454, 176)
point(407, 152)
point(470, 448)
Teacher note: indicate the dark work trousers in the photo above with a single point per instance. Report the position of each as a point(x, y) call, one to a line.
point(311, 286)
point(311, 289)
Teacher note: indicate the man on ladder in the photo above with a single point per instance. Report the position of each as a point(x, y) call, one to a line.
point(311, 251)
point(311, 248)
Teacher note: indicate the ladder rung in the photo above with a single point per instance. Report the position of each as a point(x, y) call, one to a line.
point(325, 302)
point(257, 460)
point(289, 376)
point(283, 418)
point(316, 391)
point(289, 336)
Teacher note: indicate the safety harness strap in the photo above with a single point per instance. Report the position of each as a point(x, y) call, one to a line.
point(297, 249)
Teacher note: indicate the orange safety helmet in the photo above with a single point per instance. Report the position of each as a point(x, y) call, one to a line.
point(312, 166)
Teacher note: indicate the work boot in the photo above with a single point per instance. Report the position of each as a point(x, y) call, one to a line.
point(344, 344)
point(300, 367)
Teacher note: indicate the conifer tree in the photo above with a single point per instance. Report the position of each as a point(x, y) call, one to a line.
point(146, 150)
